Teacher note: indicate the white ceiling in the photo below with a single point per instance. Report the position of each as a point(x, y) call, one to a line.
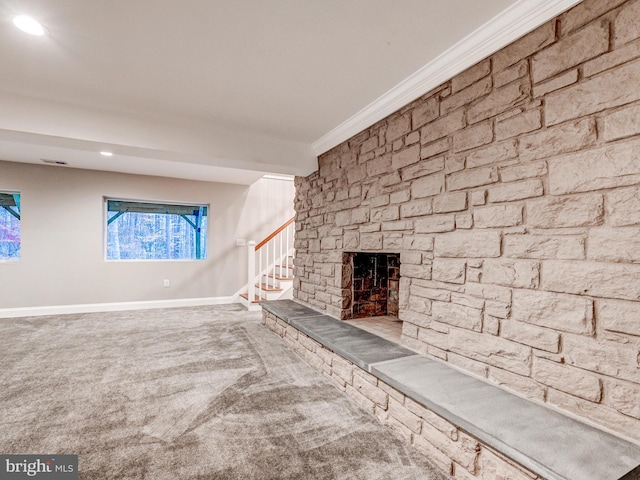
point(227, 90)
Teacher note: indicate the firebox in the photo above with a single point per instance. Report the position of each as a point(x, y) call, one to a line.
point(375, 284)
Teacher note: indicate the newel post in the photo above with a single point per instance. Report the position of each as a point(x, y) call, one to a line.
point(251, 271)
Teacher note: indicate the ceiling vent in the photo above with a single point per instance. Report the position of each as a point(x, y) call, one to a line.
point(53, 162)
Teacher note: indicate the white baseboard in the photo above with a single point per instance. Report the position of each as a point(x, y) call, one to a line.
point(112, 307)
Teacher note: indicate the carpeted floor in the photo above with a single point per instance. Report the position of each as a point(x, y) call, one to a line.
point(189, 393)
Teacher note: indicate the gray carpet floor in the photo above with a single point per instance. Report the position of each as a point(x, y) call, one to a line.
point(188, 393)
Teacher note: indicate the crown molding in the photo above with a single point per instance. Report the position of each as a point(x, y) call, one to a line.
point(511, 24)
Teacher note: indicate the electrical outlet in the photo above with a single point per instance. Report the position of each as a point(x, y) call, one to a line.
point(241, 242)
point(166, 283)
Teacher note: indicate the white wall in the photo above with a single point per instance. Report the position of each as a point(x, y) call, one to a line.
point(62, 237)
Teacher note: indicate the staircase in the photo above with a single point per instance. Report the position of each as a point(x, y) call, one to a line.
point(270, 268)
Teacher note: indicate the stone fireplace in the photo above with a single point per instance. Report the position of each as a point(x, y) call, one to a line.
point(512, 192)
point(372, 284)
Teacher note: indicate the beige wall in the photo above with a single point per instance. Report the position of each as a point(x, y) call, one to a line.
point(512, 193)
point(62, 237)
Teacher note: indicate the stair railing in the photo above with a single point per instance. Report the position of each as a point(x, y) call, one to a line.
point(274, 251)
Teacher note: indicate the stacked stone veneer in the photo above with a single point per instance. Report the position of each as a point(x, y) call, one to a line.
point(448, 447)
point(512, 193)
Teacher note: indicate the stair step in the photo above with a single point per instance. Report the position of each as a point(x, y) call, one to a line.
point(278, 277)
point(284, 266)
point(268, 288)
point(246, 297)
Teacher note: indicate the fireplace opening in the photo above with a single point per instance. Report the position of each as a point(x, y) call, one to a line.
point(375, 284)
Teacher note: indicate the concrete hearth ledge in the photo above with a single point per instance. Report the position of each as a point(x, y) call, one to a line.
point(359, 347)
point(546, 442)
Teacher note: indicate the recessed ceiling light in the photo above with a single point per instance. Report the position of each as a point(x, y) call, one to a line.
point(106, 154)
point(28, 25)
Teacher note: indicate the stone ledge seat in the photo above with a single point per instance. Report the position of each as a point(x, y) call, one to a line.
point(546, 442)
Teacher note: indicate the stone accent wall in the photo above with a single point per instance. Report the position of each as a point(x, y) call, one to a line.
point(449, 448)
point(512, 193)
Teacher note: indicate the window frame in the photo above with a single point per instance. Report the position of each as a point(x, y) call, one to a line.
point(105, 226)
point(19, 213)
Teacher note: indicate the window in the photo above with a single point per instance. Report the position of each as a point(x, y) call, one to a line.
point(9, 225)
point(155, 231)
